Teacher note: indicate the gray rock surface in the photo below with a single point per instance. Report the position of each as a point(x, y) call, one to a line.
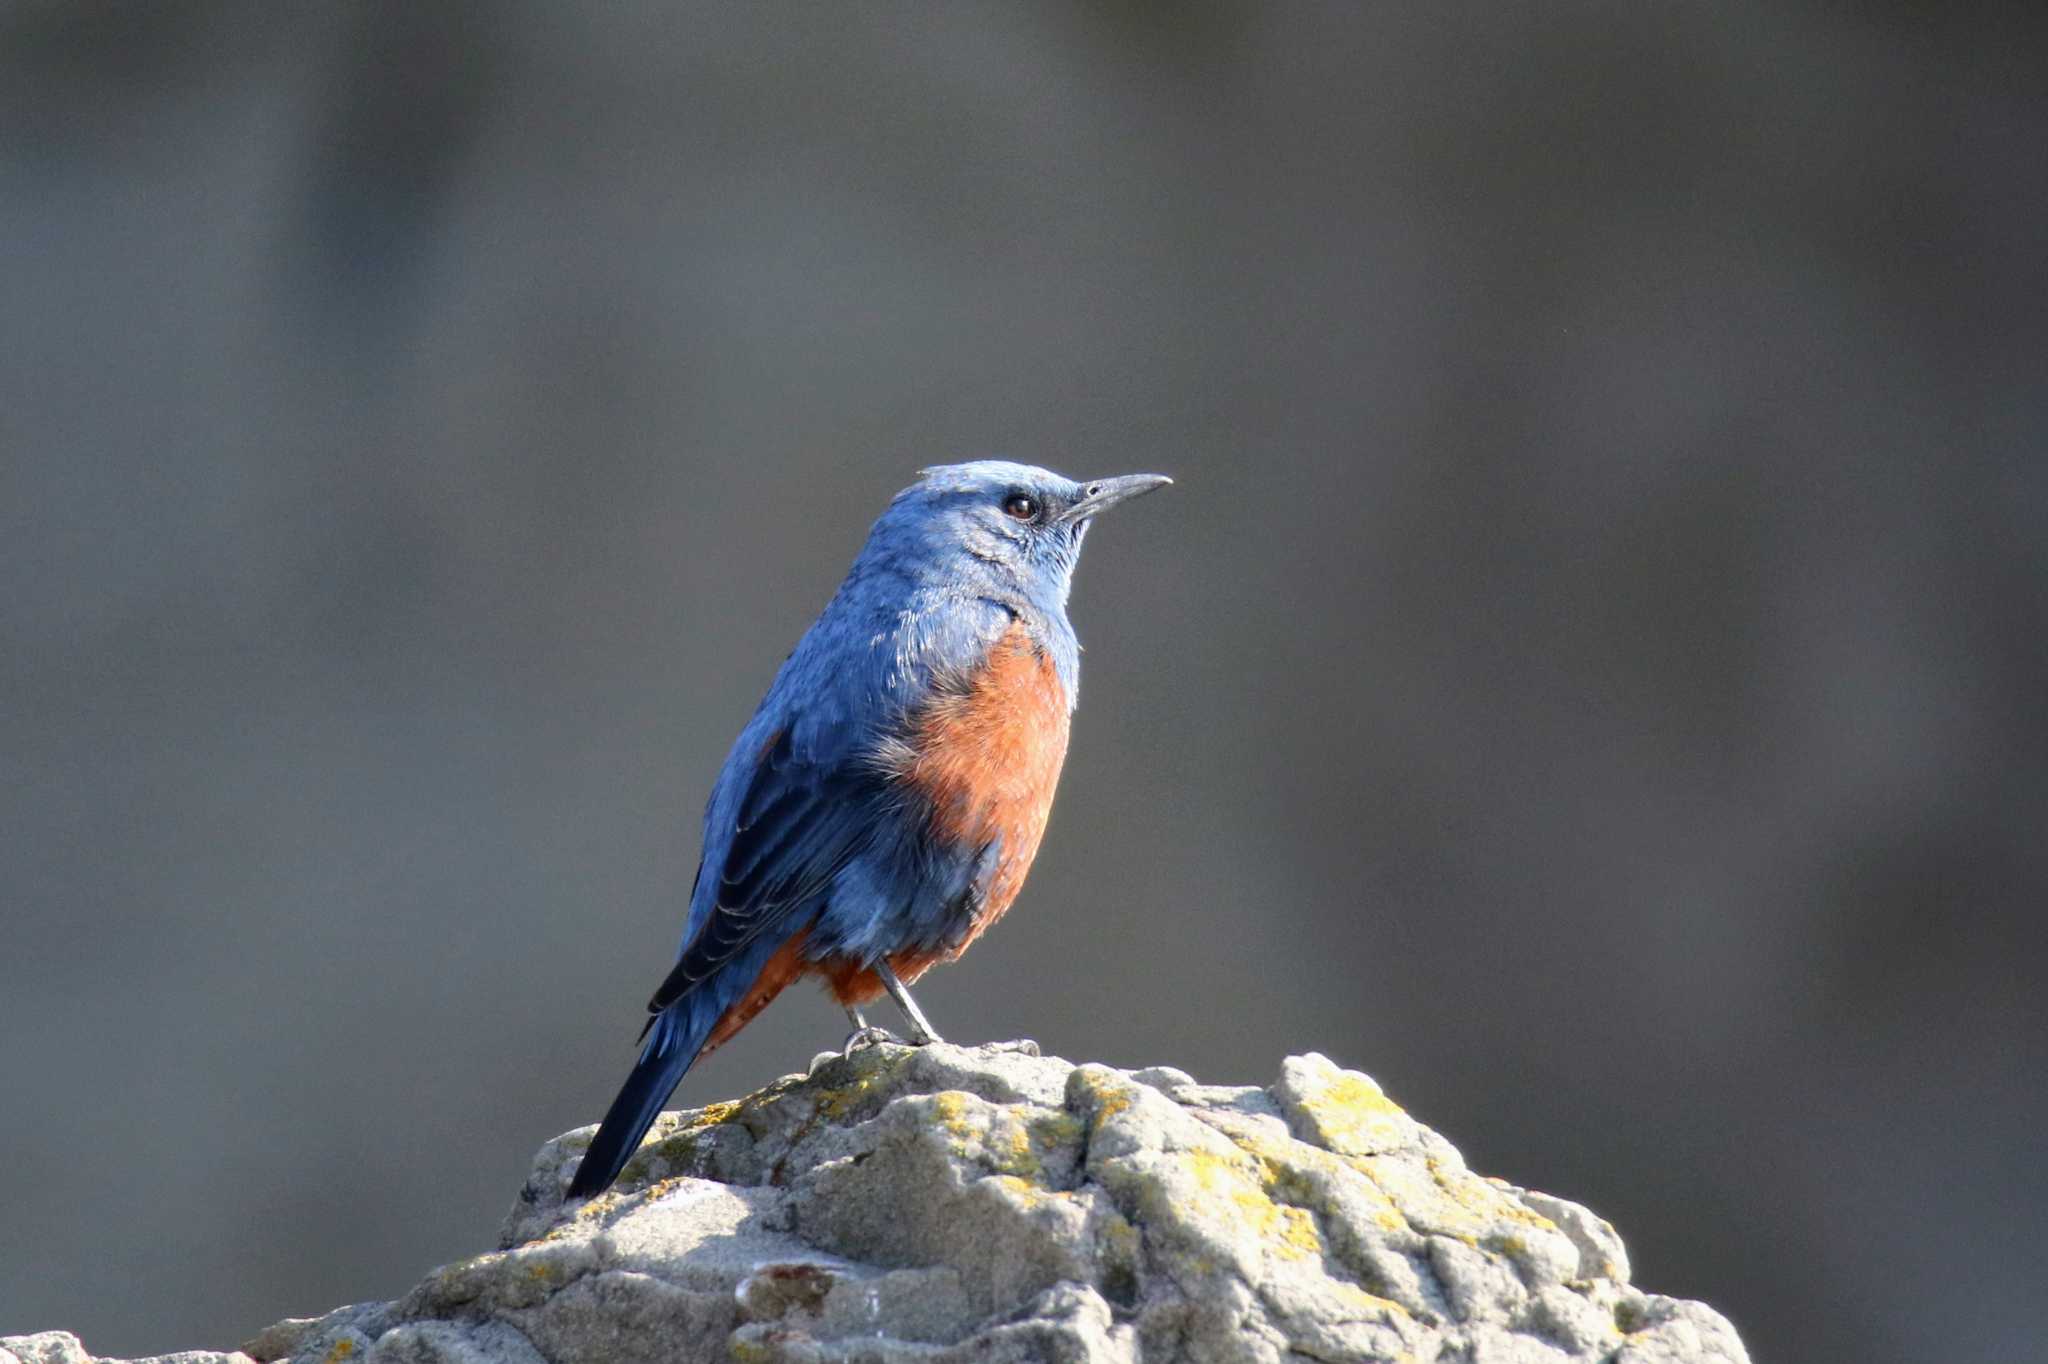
point(950, 1204)
point(61, 1347)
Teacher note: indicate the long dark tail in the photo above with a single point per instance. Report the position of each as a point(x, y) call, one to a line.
point(672, 1046)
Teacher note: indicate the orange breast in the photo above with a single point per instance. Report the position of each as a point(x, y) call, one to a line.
point(987, 755)
point(986, 752)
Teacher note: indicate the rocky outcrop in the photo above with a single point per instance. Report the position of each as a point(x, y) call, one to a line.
point(947, 1204)
point(61, 1347)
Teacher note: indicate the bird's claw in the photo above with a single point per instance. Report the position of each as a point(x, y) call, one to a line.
point(867, 1037)
point(922, 1033)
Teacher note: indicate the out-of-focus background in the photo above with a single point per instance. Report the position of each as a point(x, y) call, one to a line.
point(1590, 673)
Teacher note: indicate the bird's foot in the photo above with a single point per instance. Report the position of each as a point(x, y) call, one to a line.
point(922, 1033)
point(867, 1036)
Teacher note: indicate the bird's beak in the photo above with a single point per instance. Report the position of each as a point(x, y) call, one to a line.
point(1103, 493)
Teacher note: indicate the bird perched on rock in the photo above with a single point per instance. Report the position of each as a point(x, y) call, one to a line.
point(883, 805)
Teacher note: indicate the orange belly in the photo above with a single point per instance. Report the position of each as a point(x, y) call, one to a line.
point(985, 754)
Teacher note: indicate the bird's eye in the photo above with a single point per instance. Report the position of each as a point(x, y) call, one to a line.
point(1023, 506)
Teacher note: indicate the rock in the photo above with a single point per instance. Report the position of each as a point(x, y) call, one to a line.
point(945, 1204)
point(61, 1347)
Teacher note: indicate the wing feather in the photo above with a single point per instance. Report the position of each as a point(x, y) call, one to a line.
point(800, 823)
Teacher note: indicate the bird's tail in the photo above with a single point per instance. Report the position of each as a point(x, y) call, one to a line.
point(674, 1039)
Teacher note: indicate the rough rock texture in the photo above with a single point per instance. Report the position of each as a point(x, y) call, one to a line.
point(61, 1347)
point(948, 1204)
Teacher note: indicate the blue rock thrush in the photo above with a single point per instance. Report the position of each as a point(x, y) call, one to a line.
point(883, 805)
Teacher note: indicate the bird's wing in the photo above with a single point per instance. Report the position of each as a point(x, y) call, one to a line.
point(799, 822)
point(814, 795)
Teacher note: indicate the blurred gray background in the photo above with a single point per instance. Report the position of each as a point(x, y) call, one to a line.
point(1589, 675)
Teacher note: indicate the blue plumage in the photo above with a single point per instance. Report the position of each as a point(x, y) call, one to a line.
point(825, 848)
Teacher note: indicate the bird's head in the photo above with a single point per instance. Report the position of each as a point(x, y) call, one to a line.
point(1015, 527)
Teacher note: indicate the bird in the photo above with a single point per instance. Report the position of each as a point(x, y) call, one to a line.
point(883, 805)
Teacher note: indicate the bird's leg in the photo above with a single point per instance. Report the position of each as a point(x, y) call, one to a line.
point(863, 1035)
point(921, 1030)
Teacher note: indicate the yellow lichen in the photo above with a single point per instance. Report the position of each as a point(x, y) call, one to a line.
point(458, 1282)
point(1301, 1174)
point(1355, 1117)
point(839, 1101)
point(1120, 1235)
point(1298, 1234)
point(1369, 1302)
point(949, 1106)
point(710, 1115)
point(341, 1350)
point(746, 1350)
point(1054, 1129)
point(1111, 1097)
point(1026, 1192)
point(1441, 1197)
point(1020, 1156)
point(1475, 1196)
point(1232, 1185)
